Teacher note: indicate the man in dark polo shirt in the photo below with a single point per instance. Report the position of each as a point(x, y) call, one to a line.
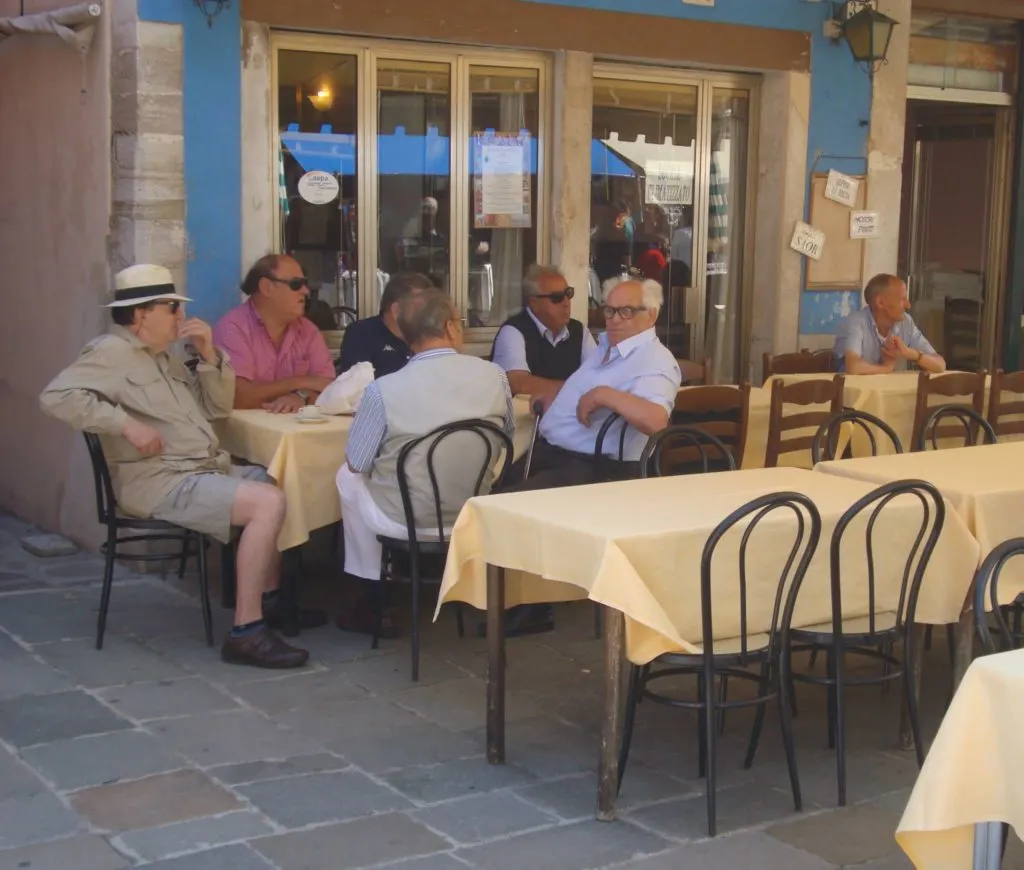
point(541, 346)
point(378, 340)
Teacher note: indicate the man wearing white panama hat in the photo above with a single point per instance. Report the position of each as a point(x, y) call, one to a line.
point(133, 388)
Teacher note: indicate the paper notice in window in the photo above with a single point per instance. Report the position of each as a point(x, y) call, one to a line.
point(669, 182)
point(501, 183)
point(842, 188)
point(864, 225)
point(808, 241)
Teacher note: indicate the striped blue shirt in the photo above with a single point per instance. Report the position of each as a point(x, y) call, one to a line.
point(370, 427)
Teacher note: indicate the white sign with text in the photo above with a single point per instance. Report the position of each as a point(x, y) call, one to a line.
point(864, 225)
point(842, 188)
point(318, 188)
point(808, 241)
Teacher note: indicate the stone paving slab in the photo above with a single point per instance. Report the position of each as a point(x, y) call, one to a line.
point(153, 753)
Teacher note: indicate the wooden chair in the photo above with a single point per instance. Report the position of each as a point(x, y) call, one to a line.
point(695, 373)
point(722, 411)
point(953, 385)
point(1000, 406)
point(804, 363)
point(817, 392)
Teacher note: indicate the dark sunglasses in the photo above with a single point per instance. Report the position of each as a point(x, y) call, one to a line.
point(295, 284)
point(172, 304)
point(626, 312)
point(560, 296)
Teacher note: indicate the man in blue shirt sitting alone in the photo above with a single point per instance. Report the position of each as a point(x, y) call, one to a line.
point(378, 340)
point(882, 337)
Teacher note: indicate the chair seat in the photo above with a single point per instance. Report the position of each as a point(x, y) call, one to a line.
point(730, 647)
point(126, 521)
point(857, 627)
point(430, 545)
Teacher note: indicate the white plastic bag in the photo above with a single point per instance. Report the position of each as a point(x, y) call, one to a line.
point(345, 392)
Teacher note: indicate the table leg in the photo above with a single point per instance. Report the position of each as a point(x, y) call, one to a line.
point(906, 735)
point(611, 731)
point(495, 664)
point(988, 846)
point(227, 575)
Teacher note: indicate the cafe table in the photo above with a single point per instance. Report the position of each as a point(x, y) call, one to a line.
point(970, 781)
point(304, 458)
point(635, 547)
point(985, 487)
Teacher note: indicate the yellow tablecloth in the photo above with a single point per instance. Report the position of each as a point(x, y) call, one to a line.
point(983, 484)
point(636, 547)
point(972, 772)
point(304, 459)
point(890, 397)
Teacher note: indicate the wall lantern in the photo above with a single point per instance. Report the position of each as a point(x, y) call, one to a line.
point(867, 31)
point(211, 8)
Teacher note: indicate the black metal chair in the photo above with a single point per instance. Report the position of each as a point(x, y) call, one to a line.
point(733, 658)
point(876, 633)
point(601, 474)
point(681, 450)
point(192, 543)
point(344, 316)
point(826, 441)
point(497, 448)
point(974, 425)
point(986, 586)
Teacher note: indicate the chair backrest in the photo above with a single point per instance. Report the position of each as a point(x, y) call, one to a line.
point(344, 316)
point(601, 474)
point(1001, 406)
point(722, 411)
point(497, 446)
point(695, 372)
point(967, 424)
point(806, 362)
point(826, 442)
point(966, 386)
point(106, 504)
point(805, 541)
point(986, 596)
point(814, 392)
point(874, 504)
point(684, 450)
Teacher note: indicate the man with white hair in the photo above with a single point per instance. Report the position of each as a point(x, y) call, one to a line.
point(541, 346)
point(134, 388)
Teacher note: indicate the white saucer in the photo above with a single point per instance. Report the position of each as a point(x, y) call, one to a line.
point(307, 420)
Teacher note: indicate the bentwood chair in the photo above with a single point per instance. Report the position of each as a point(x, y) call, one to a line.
point(476, 455)
point(967, 426)
point(681, 450)
point(755, 655)
point(968, 389)
point(123, 530)
point(874, 634)
point(987, 608)
point(826, 443)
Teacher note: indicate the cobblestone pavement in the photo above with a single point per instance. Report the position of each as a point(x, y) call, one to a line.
point(152, 752)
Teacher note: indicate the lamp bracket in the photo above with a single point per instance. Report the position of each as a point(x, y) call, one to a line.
point(211, 8)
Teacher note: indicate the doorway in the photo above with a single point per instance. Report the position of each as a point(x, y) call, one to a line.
point(953, 226)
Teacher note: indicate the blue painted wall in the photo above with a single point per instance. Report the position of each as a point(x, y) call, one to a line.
point(840, 95)
point(213, 179)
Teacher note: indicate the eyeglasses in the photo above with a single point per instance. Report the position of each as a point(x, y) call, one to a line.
point(295, 284)
point(558, 297)
point(172, 304)
point(626, 312)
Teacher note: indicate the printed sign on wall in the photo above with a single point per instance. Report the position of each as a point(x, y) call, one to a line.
point(318, 187)
point(842, 188)
point(808, 241)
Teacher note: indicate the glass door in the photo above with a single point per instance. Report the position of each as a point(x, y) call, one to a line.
point(670, 157)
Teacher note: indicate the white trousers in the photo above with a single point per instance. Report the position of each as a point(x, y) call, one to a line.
point(362, 521)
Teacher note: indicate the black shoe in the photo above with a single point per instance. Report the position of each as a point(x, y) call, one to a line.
point(525, 619)
point(290, 621)
point(262, 649)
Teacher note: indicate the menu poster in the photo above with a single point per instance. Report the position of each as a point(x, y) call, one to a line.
point(501, 180)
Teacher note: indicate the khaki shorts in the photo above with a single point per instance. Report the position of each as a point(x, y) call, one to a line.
point(203, 502)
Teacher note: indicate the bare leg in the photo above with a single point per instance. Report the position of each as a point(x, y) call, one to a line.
point(259, 509)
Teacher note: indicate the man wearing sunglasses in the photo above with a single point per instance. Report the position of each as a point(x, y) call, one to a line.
point(280, 357)
point(134, 389)
point(541, 346)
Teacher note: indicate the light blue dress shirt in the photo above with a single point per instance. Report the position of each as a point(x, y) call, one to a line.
point(859, 333)
point(641, 366)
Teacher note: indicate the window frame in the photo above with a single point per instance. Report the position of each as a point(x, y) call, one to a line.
point(460, 59)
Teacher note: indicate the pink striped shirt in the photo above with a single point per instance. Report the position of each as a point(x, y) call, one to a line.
point(243, 335)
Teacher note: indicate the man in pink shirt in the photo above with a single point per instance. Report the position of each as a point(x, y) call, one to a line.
point(281, 360)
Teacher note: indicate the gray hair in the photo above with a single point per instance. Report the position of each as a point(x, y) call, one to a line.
point(533, 276)
point(653, 294)
point(424, 315)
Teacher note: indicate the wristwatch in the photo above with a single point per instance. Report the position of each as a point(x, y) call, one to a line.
point(304, 395)
point(920, 356)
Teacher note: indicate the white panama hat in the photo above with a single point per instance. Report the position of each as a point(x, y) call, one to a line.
point(143, 283)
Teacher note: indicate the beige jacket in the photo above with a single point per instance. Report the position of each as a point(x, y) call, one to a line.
point(117, 376)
